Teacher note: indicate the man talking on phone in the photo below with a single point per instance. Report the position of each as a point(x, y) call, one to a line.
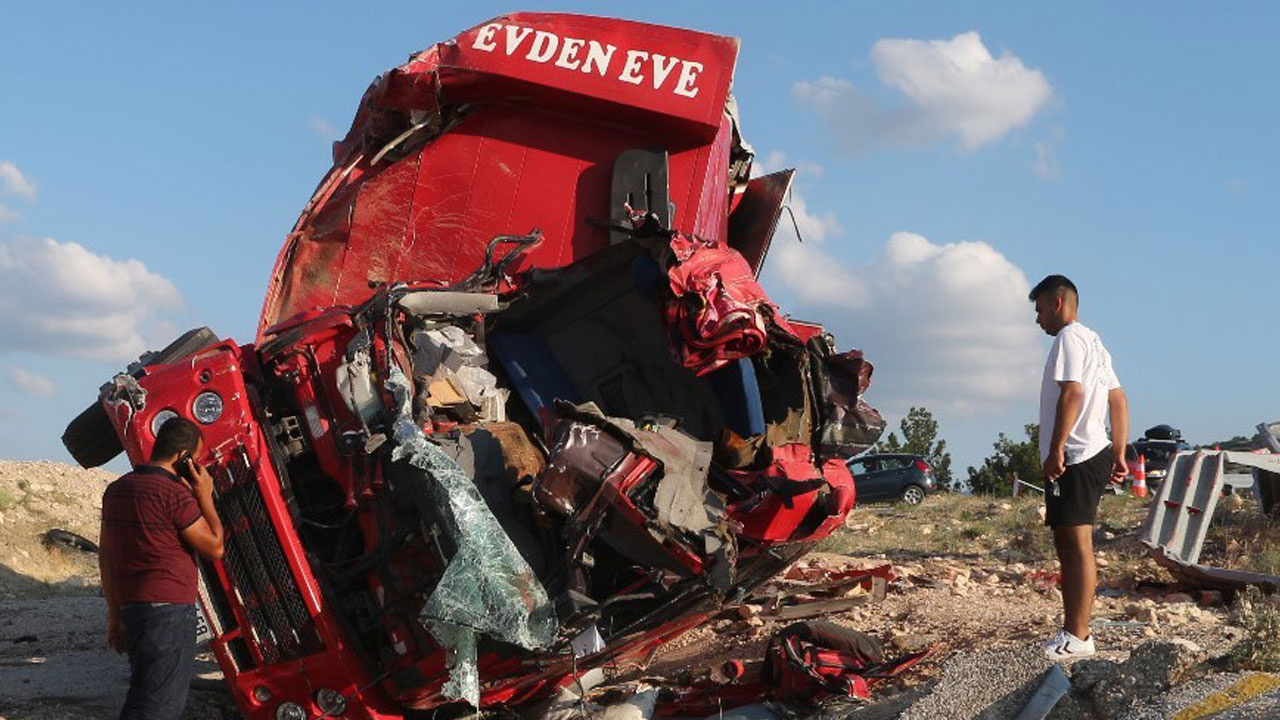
point(153, 519)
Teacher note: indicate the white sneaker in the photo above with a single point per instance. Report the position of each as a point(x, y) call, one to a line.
point(1065, 646)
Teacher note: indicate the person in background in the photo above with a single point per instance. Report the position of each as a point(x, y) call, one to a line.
point(153, 519)
point(1077, 393)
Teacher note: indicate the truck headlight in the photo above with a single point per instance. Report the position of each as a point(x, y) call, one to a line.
point(262, 693)
point(160, 419)
point(330, 702)
point(207, 407)
point(290, 711)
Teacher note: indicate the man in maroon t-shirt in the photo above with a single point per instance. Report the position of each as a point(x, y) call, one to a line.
point(152, 520)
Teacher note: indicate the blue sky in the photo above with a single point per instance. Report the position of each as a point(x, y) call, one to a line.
point(153, 156)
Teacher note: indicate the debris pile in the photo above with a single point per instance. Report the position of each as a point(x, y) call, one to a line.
point(462, 466)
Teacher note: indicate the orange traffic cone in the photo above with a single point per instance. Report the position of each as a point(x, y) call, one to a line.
point(1139, 486)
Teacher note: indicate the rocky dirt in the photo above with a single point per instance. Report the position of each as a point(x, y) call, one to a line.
point(54, 663)
point(983, 603)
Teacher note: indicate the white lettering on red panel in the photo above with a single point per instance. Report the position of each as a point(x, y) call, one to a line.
point(636, 67)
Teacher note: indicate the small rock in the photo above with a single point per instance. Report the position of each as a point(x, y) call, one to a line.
point(1177, 598)
point(1152, 668)
point(1090, 671)
point(1108, 535)
point(912, 642)
point(1140, 612)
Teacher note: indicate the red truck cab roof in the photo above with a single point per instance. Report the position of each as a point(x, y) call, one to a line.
point(512, 125)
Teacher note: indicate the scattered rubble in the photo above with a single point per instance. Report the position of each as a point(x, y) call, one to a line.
point(1008, 611)
point(1111, 688)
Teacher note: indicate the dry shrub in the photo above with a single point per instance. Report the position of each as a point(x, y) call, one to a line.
point(1259, 615)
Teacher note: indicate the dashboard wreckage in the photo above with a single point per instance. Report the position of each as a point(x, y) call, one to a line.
point(517, 406)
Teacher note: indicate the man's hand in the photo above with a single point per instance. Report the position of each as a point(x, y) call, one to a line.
point(198, 479)
point(115, 633)
point(1119, 468)
point(1056, 465)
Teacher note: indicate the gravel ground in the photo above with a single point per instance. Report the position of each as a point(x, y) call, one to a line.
point(986, 618)
point(1266, 707)
point(1184, 696)
point(988, 684)
point(54, 664)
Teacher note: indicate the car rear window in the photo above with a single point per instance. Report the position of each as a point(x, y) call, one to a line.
point(893, 463)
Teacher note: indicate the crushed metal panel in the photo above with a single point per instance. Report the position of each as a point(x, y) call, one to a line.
point(753, 221)
point(1181, 512)
point(1212, 577)
point(1269, 436)
point(1266, 482)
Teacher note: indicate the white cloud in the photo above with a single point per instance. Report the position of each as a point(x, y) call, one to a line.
point(322, 128)
point(777, 160)
point(31, 383)
point(948, 326)
point(7, 215)
point(1046, 166)
point(799, 262)
point(60, 298)
point(12, 182)
point(948, 88)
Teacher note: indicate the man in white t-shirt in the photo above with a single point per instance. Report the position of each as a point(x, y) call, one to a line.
point(1079, 390)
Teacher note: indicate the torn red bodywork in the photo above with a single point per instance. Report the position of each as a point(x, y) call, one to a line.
point(805, 664)
point(517, 406)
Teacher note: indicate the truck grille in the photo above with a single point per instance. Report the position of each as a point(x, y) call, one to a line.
point(253, 557)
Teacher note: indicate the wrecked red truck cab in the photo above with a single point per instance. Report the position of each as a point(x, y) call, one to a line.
point(518, 405)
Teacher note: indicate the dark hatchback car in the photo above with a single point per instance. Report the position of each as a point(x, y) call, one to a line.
point(889, 478)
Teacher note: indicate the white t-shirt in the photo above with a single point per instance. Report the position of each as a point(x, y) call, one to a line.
point(1077, 355)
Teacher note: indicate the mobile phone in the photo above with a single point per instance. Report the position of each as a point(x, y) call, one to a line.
point(183, 465)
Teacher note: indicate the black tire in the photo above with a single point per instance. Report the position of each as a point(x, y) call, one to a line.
point(68, 540)
point(189, 342)
point(91, 438)
point(913, 495)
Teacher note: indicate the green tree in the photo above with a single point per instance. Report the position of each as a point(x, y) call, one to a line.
point(995, 477)
point(920, 437)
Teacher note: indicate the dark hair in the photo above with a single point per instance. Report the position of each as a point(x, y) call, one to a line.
point(177, 435)
point(1054, 284)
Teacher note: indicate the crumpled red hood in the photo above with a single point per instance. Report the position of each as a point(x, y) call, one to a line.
point(510, 126)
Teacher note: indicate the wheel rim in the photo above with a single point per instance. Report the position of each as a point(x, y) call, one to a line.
point(912, 496)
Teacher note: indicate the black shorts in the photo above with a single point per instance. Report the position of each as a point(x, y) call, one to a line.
point(1080, 488)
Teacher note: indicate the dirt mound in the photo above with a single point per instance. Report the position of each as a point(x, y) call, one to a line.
point(35, 498)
